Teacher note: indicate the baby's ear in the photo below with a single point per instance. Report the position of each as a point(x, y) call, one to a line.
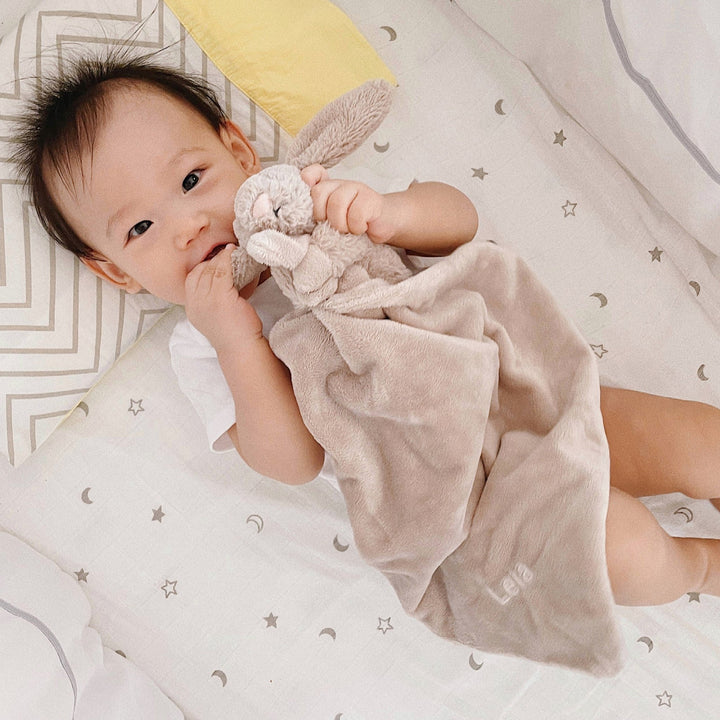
point(235, 141)
point(108, 271)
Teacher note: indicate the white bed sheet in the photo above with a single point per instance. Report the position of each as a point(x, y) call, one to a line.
point(641, 77)
point(53, 666)
point(245, 598)
point(232, 620)
point(12, 12)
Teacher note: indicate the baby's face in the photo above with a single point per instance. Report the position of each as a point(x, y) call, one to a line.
point(156, 198)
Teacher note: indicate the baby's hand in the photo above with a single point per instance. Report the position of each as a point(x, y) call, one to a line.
point(214, 306)
point(349, 207)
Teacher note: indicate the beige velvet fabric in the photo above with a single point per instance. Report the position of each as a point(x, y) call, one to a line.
point(466, 432)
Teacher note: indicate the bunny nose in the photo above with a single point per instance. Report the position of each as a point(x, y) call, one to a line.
point(262, 206)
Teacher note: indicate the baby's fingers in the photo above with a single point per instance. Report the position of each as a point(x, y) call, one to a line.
point(338, 204)
point(365, 208)
point(348, 206)
point(313, 174)
point(320, 194)
point(217, 271)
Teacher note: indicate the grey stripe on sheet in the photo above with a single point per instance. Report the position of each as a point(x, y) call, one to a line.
point(48, 633)
point(649, 89)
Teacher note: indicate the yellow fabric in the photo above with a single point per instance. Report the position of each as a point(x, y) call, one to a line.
point(291, 57)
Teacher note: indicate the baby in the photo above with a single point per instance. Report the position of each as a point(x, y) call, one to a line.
point(134, 167)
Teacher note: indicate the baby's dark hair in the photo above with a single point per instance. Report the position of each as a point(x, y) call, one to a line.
point(62, 122)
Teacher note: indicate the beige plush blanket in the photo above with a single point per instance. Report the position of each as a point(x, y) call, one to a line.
point(468, 442)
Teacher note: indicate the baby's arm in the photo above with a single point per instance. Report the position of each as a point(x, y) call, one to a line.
point(429, 218)
point(269, 434)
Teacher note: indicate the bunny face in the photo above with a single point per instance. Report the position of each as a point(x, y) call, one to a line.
point(275, 198)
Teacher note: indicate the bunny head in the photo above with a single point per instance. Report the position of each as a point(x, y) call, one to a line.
point(275, 198)
point(273, 215)
point(273, 208)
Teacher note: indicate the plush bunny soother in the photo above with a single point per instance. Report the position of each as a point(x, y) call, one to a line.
point(274, 221)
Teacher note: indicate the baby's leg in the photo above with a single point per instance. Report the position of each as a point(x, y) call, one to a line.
point(661, 445)
point(658, 445)
point(649, 567)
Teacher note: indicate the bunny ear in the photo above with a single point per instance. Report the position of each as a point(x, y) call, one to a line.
point(341, 126)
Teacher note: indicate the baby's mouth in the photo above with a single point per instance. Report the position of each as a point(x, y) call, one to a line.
point(216, 250)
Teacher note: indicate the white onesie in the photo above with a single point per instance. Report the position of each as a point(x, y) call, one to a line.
point(195, 362)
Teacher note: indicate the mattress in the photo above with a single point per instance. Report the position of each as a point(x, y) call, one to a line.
point(241, 597)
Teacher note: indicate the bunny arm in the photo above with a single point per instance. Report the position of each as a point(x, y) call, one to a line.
point(330, 254)
point(276, 249)
point(310, 266)
point(244, 268)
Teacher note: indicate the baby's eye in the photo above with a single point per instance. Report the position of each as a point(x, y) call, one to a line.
point(191, 180)
point(139, 228)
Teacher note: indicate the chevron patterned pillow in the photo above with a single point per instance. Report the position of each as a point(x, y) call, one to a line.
point(60, 327)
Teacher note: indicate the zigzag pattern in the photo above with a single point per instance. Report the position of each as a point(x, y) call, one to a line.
point(60, 327)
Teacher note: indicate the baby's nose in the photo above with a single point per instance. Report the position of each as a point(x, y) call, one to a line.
point(190, 226)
